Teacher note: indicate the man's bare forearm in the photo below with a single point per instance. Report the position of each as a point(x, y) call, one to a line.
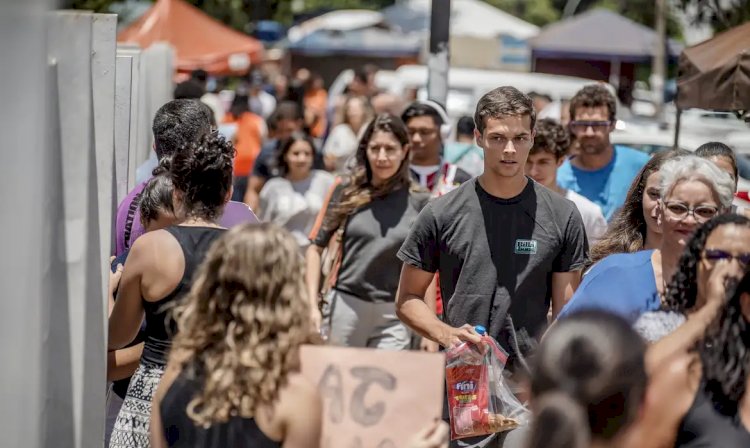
point(417, 315)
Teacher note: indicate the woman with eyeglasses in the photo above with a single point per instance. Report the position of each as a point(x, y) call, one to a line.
point(371, 212)
point(693, 190)
point(719, 251)
point(634, 226)
point(701, 399)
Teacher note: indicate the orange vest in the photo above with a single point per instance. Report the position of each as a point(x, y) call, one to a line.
point(317, 101)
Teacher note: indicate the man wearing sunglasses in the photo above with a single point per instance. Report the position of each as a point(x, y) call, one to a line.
point(601, 172)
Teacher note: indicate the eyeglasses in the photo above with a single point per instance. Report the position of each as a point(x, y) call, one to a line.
point(680, 211)
point(715, 255)
point(581, 126)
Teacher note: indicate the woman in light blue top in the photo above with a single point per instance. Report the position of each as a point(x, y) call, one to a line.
point(693, 190)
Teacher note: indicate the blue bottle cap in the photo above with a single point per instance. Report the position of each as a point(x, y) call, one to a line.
point(480, 329)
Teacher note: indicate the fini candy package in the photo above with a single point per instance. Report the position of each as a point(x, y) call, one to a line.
point(479, 401)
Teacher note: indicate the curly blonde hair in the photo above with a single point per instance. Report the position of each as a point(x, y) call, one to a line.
point(243, 322)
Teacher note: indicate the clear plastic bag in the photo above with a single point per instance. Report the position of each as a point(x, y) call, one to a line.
point(479, 401)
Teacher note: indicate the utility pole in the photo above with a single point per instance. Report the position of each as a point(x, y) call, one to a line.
point(439, 61)
point(658, 63)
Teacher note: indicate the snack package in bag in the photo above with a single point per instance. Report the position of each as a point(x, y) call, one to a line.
point(479, 401)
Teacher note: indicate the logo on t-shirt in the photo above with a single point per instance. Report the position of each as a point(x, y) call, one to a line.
point(525, 247)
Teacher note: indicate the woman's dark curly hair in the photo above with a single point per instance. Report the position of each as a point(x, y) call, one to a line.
point(202, 172)
point(725, 355)
point(682, 290)
point(284, 147)
point(627, 232)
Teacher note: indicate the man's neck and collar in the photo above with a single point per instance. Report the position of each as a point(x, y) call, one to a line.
point(594, 162)
point(556, 188)
point(427, 161)
point(503, 187)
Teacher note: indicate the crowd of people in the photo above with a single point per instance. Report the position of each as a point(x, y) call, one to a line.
point(616, 281)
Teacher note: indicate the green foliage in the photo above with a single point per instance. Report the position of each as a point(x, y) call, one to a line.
point(238, 13)
point(538, 12)
point(92, 5)
point(235, 13)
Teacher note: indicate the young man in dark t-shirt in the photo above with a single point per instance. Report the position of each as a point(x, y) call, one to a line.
point(505, 247)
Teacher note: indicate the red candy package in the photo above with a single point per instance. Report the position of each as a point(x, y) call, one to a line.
point(479, 401)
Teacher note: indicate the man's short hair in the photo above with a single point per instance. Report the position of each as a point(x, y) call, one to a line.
point(417, 109)
point(465, 126)
point(718, 149)
point(503, 102)
point(190, 89)
point(594, 95)
point(177, 123)
point(199, 75)
point(285, 110)
point(533, 95)
point(551, 137)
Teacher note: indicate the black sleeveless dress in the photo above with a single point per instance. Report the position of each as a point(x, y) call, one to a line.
point(705, 427)
point(133, 421)
point(181, 431)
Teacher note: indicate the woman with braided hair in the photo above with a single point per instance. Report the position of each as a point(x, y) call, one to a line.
point(159, 271)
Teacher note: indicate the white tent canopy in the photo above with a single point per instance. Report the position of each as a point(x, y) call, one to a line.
point(473, 18)
point(341, 20)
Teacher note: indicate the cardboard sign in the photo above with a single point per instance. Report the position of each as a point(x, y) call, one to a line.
point(374, 398)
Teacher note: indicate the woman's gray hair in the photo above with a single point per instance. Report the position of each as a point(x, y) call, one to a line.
point(694, 168)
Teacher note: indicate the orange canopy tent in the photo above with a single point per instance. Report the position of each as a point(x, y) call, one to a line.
point(199, 40)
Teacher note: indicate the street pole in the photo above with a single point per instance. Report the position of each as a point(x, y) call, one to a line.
point(438, 61)
point(658, 67)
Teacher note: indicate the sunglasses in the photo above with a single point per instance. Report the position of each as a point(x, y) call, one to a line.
point(583, 125)
point(715, 255)
point(701, 213)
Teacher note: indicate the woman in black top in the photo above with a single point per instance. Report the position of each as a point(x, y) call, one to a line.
point(374, 207)
point(157, 212)
point(701, 400)
point(158, 274)
point(232, 380)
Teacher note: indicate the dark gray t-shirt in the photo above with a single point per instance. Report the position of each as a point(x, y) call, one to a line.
point(372, 236)
point(496, 256)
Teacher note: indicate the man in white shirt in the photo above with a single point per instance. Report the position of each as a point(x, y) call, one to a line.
point(551, 144)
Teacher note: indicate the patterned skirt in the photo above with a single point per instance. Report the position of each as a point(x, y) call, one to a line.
point(132, 426)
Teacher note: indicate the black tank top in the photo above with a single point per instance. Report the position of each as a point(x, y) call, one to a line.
point(181, 431)
point(705, 427)
point(194, 242)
